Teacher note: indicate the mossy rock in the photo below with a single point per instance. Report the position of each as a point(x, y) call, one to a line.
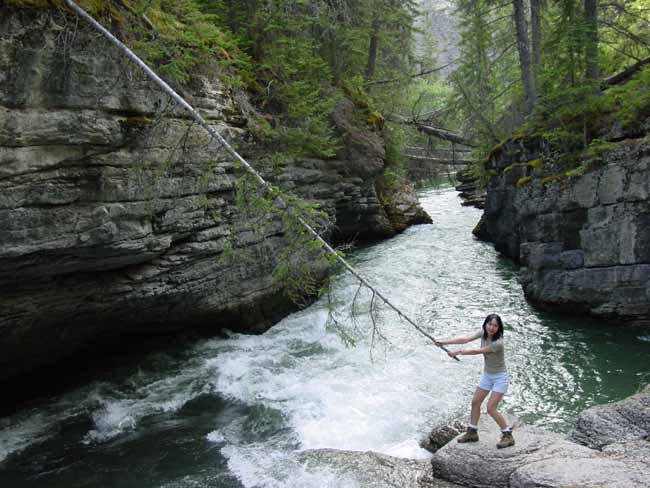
point(550, 179)
point(138, 121)
point(524, 181)
point(494, 152)
point(376, 121)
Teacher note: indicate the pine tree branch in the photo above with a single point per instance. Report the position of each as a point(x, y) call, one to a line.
point(626, 33)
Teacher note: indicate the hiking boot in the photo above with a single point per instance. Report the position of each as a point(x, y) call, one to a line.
point(470, 436)
point(506, 440)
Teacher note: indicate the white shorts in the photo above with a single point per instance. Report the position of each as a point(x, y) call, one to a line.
point(494, 382)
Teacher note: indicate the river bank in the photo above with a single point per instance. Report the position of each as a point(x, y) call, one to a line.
point(239, 411)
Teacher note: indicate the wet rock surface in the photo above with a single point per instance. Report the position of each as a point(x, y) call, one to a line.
point(469, 190)
point(115, 218)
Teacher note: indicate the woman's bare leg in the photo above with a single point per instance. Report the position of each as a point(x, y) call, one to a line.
point(492, 405)
point(477, 401)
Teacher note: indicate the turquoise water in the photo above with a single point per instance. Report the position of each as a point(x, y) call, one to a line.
point(238, 410)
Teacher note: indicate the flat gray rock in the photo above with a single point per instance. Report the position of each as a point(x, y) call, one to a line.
point(481, 464)
point(593, 472)
point(374, 470)
point(638, 450)
point(627, 420)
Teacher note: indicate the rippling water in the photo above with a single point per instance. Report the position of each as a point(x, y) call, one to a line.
point(237, 411)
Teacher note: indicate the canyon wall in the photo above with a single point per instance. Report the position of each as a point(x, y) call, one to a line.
point(116, 211)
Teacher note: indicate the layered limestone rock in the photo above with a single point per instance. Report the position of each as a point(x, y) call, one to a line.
point(583, 241)
point(115, 210)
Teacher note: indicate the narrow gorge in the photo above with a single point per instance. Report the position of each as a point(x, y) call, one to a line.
point(168, 319)
point(116, 210)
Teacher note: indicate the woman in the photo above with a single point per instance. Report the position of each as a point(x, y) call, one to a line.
point(494, 379)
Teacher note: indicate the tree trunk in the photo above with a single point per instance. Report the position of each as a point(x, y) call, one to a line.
point(372, 50)
point(524, 55)
point(536, 33)
point(592, 71)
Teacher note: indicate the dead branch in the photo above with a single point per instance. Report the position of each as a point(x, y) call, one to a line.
point(626, 73)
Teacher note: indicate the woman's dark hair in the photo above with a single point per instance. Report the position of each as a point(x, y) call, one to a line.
point(487, 320)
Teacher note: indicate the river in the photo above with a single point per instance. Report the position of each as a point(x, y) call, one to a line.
point(237, 410)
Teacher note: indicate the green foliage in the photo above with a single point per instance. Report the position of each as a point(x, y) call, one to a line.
point(570, 118)
point(91, 6)
point(300, 262)
point(354, 89)
point(596, 148)
point(483, 83)
point(625, 33)
point(183, 39)
point(395, 169)
point(174, 36)
point(631, 100)
point(579, 170)
point(552, 178)
point(305, 55)
point(487, 87)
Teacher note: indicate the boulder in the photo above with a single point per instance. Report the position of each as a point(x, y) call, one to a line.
point(481, 464)
point(620, 422)
point(638, 450)
point(545, 459)
point(441, 435)
point(401, 203)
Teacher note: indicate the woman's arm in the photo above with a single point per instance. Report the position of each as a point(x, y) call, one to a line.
point(459, 339)
point(470, 352)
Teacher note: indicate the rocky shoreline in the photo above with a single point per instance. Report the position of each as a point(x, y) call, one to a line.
point(610, 446)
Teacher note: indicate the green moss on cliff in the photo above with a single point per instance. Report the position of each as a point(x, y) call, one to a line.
point(174, 36)
point(534, 164)
point(550, 179)
point(524, 181)
point(138, 121)
point(494, 152)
